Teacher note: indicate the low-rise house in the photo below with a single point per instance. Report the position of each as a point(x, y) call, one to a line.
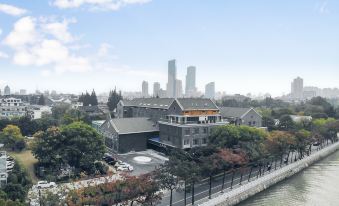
point(241, 116)
point(123, 135)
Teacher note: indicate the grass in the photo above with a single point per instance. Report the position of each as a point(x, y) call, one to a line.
point(27, 160)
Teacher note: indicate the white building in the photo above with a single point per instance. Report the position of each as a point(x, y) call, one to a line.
point(297, 88)
point(37, 111)
point(210, 90)
point(12, 107)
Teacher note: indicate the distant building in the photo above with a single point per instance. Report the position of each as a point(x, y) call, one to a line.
point(179, 88)
point(190, 89)
point(210, 90)
point(37, 111)
point(297, 88)
point(241, 116)
point(172, 77)
point(145, 89)
point(156, 89)
point(299, 118)
point(7, 91)
point(12, 107)
point(23, 92)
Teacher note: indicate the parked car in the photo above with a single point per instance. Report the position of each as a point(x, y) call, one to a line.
point(110, 160)
point(122, 166)
point(45, 184)
point(125, 168)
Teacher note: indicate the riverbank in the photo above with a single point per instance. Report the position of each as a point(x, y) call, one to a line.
point(245, 191)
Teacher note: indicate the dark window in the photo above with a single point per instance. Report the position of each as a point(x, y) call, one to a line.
point(204, 141)
point(196, 141)
point(205, 130)
point(196, 130)
point(187, 131)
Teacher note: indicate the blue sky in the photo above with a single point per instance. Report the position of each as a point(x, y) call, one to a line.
point(255, 46)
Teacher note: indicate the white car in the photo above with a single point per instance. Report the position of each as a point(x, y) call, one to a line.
point(125, 167)
point(45, 184)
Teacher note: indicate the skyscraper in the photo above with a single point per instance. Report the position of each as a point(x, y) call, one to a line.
point(156, 89)
point(178, 88)
point(172, 76)
point(297, 87)
point(190, 81)
point(7, 90)
point(144, 89)
point(210, 90)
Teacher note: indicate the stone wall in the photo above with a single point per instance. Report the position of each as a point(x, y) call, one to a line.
point(247, 190)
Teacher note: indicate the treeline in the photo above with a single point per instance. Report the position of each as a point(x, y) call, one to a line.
point(88, 99)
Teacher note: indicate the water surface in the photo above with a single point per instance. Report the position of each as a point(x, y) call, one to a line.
point(317, 185)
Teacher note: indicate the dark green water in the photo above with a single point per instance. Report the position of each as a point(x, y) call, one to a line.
point(318, 185)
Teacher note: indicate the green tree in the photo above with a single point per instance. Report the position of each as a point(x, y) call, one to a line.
point(76, 144)
point(286, 123)
point(225, 136)
point(113, 99)
point(41, 100)
point(82, 145)
point(12, 138)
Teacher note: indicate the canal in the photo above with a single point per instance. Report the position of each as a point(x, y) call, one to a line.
point(316, 185)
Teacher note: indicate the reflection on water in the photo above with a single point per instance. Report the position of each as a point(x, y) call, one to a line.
point(317, 185)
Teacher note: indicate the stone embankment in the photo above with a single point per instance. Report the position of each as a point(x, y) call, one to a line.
point(247, 190)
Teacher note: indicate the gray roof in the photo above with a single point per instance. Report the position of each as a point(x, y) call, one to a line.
point(162, 103)
point(233, 111)
point(133, 125)
point(197, 104)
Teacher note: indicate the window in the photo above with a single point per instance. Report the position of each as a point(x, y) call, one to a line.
point(186, 141)
point(204, 141)
point(196, 130)
point(196, 141)
point(187, 131)
point(205, 130)
point(253, 123)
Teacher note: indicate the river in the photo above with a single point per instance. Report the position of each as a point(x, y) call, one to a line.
point(317, 185)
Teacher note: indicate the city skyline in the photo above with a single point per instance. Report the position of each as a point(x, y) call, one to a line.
point(65, 45)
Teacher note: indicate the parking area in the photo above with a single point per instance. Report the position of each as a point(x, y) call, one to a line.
point(143, 162)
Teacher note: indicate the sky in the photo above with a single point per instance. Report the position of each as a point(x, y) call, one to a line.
point(245, 46)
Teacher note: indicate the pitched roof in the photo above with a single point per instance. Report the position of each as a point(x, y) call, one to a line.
point(233, 111)
point(133, 125)
point(197, 104)
point(162, 103)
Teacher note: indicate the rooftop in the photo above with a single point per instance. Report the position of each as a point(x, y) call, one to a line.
point(133, 125)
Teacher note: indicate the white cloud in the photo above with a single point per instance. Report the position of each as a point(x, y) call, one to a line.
point(60, 30)
point(12, 10)
point(3, 55)
point(322, 7)
point(42, 42)
point(24, 33)
point(108, 5)
point(104, 49)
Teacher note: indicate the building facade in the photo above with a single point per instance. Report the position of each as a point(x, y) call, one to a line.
point(156, 89)
point(210, 90)
point(145, 89)
point(172, 77)
point(7, 90)
point(297, 88)
point(12, 107)
point(128, 134)
point(189, 123)
point(190, 88)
